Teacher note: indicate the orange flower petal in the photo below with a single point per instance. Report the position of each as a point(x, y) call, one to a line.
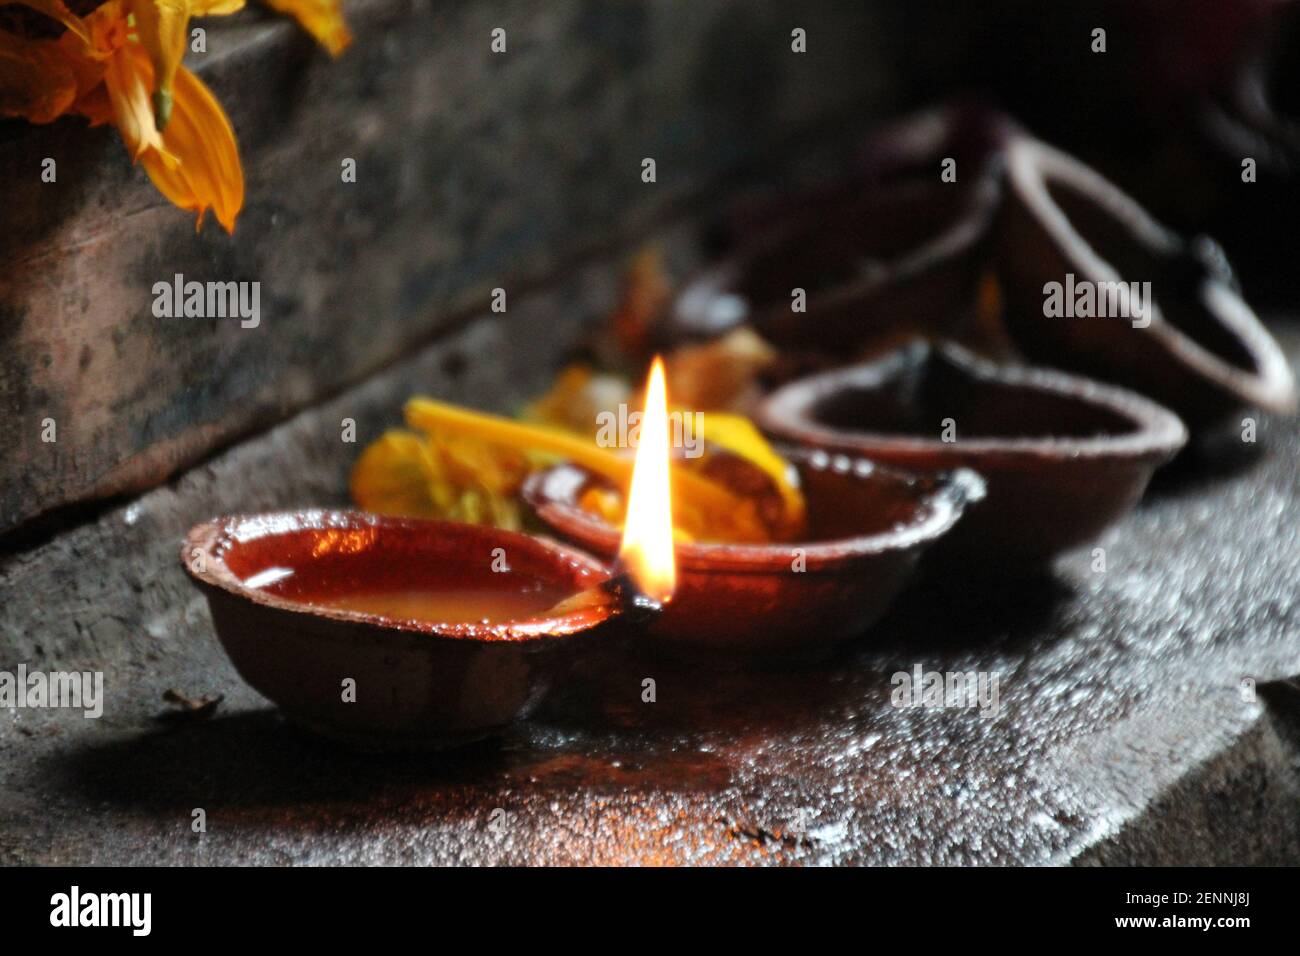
point(129, 79)
point(58, 10)
point(107, 28)
point(37, 81)
point(323, 19)
point(95, 106)
point(199, 136)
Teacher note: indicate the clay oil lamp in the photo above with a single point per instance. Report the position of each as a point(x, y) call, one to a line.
point(893, 249)
point(1198, 348)
point(867, 527)
point(398, 632)
point(1062, 456)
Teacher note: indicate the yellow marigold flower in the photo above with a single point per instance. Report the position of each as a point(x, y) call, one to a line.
point(468, 466)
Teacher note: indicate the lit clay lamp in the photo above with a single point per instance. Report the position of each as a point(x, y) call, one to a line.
point(1199, 349)
point(1064, 457)
point(867, 527)
point(401, 632)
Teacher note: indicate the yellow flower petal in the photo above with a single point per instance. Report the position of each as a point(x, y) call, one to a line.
point(162, 27)
point(737, 435)
point(215, 8)
point(395, 475)
point(323, 19)
point(697, 502)
point(407, 474)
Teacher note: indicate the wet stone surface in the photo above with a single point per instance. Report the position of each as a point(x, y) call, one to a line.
point(1124, 732)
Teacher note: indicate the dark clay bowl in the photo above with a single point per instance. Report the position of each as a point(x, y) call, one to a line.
point(1204, 354)
point(888, 251)
point(867, 528)
point(1063, 457)
point(418, 684)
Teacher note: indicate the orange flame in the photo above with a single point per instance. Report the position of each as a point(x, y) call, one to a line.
point(647, 549)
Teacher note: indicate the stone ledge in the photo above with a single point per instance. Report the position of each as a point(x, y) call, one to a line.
point(1122, 735)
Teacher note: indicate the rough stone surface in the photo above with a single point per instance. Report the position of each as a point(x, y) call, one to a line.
point(1123, 735)
point(474, 171)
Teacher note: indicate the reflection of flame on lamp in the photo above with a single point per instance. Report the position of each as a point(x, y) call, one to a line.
point(646, 553)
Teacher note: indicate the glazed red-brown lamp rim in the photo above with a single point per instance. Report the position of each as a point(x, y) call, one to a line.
point(209, 538)
point(788, 413)
point(1031, 164)
point(551, 494)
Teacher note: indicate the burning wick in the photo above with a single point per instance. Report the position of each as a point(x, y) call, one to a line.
point(647, 548)
point(619, 590)
point(645, 572)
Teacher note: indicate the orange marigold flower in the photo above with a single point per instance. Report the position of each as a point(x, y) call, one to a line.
point(121, 63)
point(195, 161)
point(42, 77)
